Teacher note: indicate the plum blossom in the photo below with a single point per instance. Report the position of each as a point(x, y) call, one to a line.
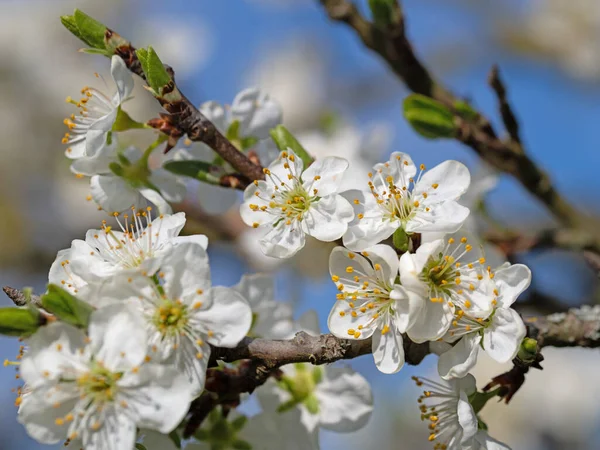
point(372, 303)
point(183, 313)
point(452, 280)
point(98, 389)
point(500, 334)
point(121, 180)
point(138, 248)
point(88, 131)
point(398, 198)
point(293, 203)
point(332, 398)
point(453, 421)
point(256, 113)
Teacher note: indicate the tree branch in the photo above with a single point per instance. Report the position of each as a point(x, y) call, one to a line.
point(186, 118)
point(391, 43)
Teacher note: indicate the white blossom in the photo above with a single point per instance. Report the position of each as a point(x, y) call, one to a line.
point(500, 334)
point(452, 281)
point(98, 389)
point(332, 398)
point(88, 131)
point(398, 198)
point(453, 421)
point(372, 303)
point(134, 185)
point(183, 313)
point(138, 247)
point(293, 202)
point(483, 441)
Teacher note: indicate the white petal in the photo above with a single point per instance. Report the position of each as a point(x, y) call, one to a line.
point(309, 323)
point(407, 307)
point(257, 289)
point(330, 171)
point(274, 431)
point(345, 400)
point(39, 417)
point(122, 77)
point(280, 173)
point(216, 114)
point(368, 232)
point(257, 113)
point(400, 166)
point(159, 395)
point(452, 179)
point(171, 187)
point(186, 270)
point(256, 194)
point(387, 258)
point(97, 164)
point(460, 359)
point(339, 325)
point(156, 199)
point(191, 361)
point(388, 350)
point(512, 280)
point(229, 317)
point(118, 337)
point(283, 241)
point(502, 338)
point(432, 322)
point(328, 219)
point(340, 261)
point(113, 194)
point(489, 443)
point(117, 432)
point(466, 417)
point(446, 217)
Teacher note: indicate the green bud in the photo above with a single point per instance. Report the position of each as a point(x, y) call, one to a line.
point(66, 307)
point(428, 117)
point(90, 30)
point(284, 140)
point(312, 404)
point(156, 74)
point(466, 110)
point(528, 350)
point(382, 11)
point(400, 239)
point(20, 322)
point(139, 446)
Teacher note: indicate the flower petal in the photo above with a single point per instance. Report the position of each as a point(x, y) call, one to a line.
point(511, 280)
point(113, 194)
point(122, 77)
point(283, 241)
point(216, 114)
point(156, 199)
point(228, 319)
point(388, 350)
point(328, 219)
point(431, 323)
point(387, 258)
point(257, 113)
point(502, 338)
point(466, 417)
point(345, 400)
point(216, 199)
point(329, 171)
point(186, 271)
point(446, 217)
point(344, 266)
point(460, 359)
point(451, 178)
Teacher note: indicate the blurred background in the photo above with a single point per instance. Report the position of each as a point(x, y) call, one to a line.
point(339, 99)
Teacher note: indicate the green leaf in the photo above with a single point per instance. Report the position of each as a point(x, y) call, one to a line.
point(19, 322)
point(241, 445)
point(238, 423)
point(139, 446)
point(429, 118)
point(233, 132)
point(248, 142)
point(175, 438)
point(317, 375)
point(71, 25)
point(466, 110)
point(156, 74)
point(96, 51)
point(66, 307)
point(284, 140)
point(382, 11)
point(199, 170)
point(90, 30)
point(124, 122)
point(400, 239)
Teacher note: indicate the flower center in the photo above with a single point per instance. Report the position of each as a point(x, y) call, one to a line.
point(99, 384)
point(171, 317)
point(301, 387)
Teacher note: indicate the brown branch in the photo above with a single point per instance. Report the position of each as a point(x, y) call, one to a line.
point(508, 117)
point(19, 298)
point(186, 118)
point(511, 242)
point(392, 44)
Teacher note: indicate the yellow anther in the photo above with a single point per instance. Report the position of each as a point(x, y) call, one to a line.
point(255, 225)
point(377, 266)
point(385, 329)
point(349, 269)
point(335, 278)
point(342, 313)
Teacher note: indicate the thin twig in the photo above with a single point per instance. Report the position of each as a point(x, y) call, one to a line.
point(508, 117)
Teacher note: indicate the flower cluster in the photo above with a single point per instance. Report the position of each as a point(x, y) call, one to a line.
point(406, 269)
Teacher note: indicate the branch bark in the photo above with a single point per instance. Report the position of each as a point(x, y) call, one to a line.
point(508, 156)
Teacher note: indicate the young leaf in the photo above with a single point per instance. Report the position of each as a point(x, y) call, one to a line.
point(90, 30)
point(66, 307)
point(20, 322)
point(382, 11)
point(156, 74)
point(284, 140)
point(190, 168)
point(429, 118)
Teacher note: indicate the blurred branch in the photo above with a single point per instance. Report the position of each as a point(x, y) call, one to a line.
point(508, 156)
point(19, 298)
point(511, 242)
